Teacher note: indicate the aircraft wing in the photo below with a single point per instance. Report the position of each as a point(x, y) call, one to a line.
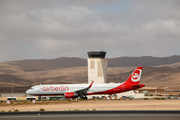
point(84, 91)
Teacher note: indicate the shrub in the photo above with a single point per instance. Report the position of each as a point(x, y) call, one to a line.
point(163, 98)
point(42, 109)
point(2, 111)
point(9, 111)
point(76, 110)
point(145, 99)
point(16, 110)
point(94, 109)
point(156, 98)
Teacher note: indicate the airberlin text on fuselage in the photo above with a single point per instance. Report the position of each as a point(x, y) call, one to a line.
point(55, 88)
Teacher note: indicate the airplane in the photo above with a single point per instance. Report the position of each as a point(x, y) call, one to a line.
point(81, 90)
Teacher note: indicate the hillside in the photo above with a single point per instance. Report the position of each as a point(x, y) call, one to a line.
point(64, 62)
point(165, 72)
point(41, 65)
point(143, 61)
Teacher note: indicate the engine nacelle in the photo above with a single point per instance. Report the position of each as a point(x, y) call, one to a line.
point(70, 95)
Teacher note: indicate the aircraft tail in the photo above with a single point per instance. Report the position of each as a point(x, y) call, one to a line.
point(134, 78)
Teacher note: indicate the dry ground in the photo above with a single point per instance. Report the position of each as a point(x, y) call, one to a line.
point(97, 105)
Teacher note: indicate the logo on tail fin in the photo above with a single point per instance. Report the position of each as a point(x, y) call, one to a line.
point(136, 75)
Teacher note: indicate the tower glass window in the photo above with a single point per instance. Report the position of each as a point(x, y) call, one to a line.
point(97, 54)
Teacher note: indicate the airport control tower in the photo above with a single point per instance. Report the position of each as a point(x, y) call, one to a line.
point(97, 66)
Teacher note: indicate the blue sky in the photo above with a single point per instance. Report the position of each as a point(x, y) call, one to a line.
point(46, 29)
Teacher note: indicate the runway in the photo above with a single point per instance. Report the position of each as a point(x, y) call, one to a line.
point(93, 115)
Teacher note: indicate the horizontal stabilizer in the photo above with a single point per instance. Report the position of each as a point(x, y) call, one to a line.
point(140, 85)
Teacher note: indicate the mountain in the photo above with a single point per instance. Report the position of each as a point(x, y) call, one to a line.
point(42, 64)
point(142, 61)
point(157, 72)
point(64, 62)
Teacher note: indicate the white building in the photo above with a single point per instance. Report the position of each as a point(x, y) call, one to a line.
point(131, 94)
point(97, 67)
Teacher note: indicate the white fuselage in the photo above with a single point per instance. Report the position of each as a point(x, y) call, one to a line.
point(60, 89)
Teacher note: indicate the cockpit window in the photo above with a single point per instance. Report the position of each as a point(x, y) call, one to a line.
point(31, 88)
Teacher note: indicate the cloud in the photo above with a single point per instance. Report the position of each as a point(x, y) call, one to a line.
point(168, 28)
point(51, 29)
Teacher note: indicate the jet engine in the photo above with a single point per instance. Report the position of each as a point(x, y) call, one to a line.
point(70, 95)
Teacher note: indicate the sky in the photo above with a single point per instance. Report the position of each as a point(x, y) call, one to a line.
point(48, 29)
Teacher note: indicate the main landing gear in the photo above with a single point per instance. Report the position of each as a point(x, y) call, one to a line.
point(83, 97)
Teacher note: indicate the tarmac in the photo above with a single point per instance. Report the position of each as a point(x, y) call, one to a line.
point(95, 115)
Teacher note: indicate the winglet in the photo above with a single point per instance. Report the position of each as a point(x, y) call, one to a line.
point(91, 84)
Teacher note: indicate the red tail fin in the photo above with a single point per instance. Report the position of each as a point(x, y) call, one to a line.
point(134, 78)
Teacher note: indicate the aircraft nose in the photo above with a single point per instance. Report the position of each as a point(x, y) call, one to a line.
point(27, 92)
